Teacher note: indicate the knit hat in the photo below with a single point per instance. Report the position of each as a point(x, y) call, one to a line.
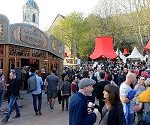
point(86, 82)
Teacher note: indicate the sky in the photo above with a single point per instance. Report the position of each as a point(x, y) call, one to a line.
point(48, 9)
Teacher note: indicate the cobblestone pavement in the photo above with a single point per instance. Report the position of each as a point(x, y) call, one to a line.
point(49, 116)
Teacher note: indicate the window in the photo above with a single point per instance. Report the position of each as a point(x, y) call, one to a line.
point(1, 49)
point(33, 18)
point(1, 63)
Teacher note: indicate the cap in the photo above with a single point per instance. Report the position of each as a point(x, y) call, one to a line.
point(86, 82)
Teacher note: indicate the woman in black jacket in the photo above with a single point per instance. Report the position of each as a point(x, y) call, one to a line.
point(113, 111)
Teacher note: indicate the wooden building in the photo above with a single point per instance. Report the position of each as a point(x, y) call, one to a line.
point(25, 45)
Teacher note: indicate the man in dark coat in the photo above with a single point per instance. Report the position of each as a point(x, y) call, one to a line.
point(99, 88)
point(13, 93)
point(78, 107)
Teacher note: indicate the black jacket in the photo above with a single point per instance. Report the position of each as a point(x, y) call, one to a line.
point(99, 88)
point(116, 116)
point(14, 87)
point(113, 117)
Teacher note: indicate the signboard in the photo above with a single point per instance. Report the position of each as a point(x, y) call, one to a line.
point(29, 36)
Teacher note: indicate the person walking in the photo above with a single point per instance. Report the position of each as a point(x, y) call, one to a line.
point(2, 87)
point(51, 88)
point(78, 107)
point(65, 92)
point(37, 92)
point(13, 93)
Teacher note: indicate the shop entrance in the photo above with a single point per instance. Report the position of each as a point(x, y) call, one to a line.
point(34, 63)
point(27, 64)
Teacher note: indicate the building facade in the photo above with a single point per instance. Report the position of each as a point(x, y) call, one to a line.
point(25, 45)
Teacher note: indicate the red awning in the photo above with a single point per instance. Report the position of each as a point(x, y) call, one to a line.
point(126, 51)
point(147, 47)
point(103, 48)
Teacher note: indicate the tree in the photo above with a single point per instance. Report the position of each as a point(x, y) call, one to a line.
point(71, 31)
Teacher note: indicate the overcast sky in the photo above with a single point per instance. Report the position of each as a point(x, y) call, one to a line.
point(48, 9)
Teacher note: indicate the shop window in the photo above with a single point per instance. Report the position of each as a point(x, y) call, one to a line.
point(18, 64)
point(1, 49)
point(1, 63)
point(11, 63)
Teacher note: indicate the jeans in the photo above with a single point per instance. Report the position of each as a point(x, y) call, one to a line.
point(12, 104)
point(146, 118)
point(65, 98)
point(37, 108)
point(1, 96)
point(139, 118)
point(132, 119)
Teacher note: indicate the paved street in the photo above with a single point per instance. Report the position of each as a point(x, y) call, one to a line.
point(49, 117)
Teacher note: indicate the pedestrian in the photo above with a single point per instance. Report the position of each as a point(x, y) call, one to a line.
point(78, 107)
point(127, 95)
point(99, 88)
point(112, 113)
point(142, 88)
point(51, 88)
point(13, 93)
point(74, 85)
point(65, 92)
point(37, 92)
point(2, 87)
point(144, 104)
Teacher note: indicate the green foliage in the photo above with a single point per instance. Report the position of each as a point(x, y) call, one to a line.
point(127, 29)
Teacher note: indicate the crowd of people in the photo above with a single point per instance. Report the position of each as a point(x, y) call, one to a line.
point(120, 93)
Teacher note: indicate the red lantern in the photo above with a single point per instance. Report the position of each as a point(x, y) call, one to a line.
point(33, 61)
point(30, 61)
point(65, 54)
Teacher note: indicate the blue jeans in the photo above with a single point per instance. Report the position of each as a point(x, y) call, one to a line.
point(1, 96)
point(37, 108)
point(132, 118)
point(146, 118)
point(12, 104)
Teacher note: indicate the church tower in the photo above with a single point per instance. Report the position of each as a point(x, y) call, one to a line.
point(31, 13)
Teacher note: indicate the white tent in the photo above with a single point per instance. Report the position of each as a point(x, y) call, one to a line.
point(135, 55)
point(119, 53)
point(95, 64)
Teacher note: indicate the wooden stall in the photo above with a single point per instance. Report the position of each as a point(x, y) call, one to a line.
point(23, 45)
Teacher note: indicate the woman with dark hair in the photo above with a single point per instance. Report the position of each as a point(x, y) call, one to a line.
point(74, 85)
point(113, 111)
point(110, 78)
